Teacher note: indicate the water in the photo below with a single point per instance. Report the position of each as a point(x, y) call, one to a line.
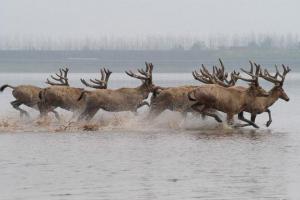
point(129, 158)
point(168, 61)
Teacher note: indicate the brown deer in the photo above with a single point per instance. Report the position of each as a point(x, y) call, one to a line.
point(176, 99)
point(262, 104)
point(60, 94)
point(27, 95)
point(225, 98)
point(123, 99)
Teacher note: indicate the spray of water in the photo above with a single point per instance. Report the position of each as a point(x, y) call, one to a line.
point(105, 121)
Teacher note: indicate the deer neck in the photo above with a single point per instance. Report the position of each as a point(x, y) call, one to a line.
point(270, 100)
point(144, 90)
point(249, 97)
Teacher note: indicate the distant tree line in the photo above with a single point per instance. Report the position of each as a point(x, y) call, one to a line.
point(156, 42)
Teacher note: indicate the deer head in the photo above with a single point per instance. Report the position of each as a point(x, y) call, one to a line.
point(278, 84)
point(144, 75)
point(254, 87)
point(96, 83)
point(61, 78)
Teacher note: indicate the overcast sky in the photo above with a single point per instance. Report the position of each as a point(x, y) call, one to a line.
point(82, 18)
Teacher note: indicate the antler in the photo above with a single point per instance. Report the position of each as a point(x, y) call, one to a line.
point(254, 77)
point(268, 77)
point(233, 78)
point(220, 72)
point(285, 71)
point(217, 77)
point(62, 78)
point(145, 75)
point(205, 76)
point(96, 83)
point(226, 82)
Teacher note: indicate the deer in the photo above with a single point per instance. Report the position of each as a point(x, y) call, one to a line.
point(207, 78)
point(60, 94)
point(262, 104)
point(227, 98)
point(117, 100)
point(27, 95)
point(176, 99)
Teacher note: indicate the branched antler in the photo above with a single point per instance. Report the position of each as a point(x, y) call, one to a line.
point(274, 79)
point(96, 83)
point(144, 75)
point(61, 78)
point(204, 75)
point(254, 76)
point(233, 78)
point(217, 77)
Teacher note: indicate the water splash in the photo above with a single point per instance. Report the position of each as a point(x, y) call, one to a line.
point(112, 122)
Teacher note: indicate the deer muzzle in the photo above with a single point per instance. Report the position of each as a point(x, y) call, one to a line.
point(284, 96)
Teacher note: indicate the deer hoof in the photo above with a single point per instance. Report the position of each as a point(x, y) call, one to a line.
point(218, 119)
point(255, 126)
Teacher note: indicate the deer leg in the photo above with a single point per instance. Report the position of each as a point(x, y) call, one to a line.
point(242, 118)
point(83, 115)
point(253, 117)
point(217, 118)
point(184, 114)
point(43, 109)
point(156, 108)
point(144, 103)
point(230, 119)
point(56, 115)
point(201, 109)
point(16, 105)
point(154, 113)
point(91, 114)
point(74, 115)
point(87, 114)
point(270, 118)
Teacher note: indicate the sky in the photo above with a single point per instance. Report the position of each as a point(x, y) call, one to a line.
point(130, 18)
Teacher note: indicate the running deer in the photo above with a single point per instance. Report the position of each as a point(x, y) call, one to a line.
point(176, 99)
point(262, 104)
point(60, 94)
point(225, 98)
point(123, 99)
point(27, 95)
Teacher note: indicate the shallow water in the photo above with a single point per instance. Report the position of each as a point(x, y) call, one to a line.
point(128, 158)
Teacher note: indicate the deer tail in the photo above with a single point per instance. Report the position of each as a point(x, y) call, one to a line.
point(5, 86)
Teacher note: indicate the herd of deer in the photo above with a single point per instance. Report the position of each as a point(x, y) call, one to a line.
point(218, 93)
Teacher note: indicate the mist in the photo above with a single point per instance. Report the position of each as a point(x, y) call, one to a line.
point(155, 42)
point(78, 19)
point(42, 35)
